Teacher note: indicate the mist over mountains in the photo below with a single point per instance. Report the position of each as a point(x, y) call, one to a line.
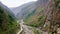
point(25, 9)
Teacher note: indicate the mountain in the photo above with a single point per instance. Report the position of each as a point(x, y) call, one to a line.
point(52, 20)
point(8, 22)
point(44, 14)
point(32, 12)
point(18, 9)
point(5, 7)
point(28, 7)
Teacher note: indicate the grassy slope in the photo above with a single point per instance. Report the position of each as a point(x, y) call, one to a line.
point(8, 24)
point(35, 19)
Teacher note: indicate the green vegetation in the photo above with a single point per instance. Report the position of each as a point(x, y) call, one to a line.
point(36, 31)
point(30, 14)
point(8, 24)
point(35, 19)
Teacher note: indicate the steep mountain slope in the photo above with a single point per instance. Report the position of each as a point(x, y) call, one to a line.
point(43, 13)
point(8, 22)
point(49, 17)
point(33, 14)
point(18, 9)
point(27, 8)
point(53, 20)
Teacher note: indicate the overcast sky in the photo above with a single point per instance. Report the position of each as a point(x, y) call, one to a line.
point(15, 3)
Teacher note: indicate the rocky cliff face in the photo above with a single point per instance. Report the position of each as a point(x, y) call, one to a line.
point(53, 19)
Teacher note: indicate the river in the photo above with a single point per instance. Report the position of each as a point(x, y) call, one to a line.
point(25, 28)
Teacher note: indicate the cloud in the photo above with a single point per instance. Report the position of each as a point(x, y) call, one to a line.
point(15, 3)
